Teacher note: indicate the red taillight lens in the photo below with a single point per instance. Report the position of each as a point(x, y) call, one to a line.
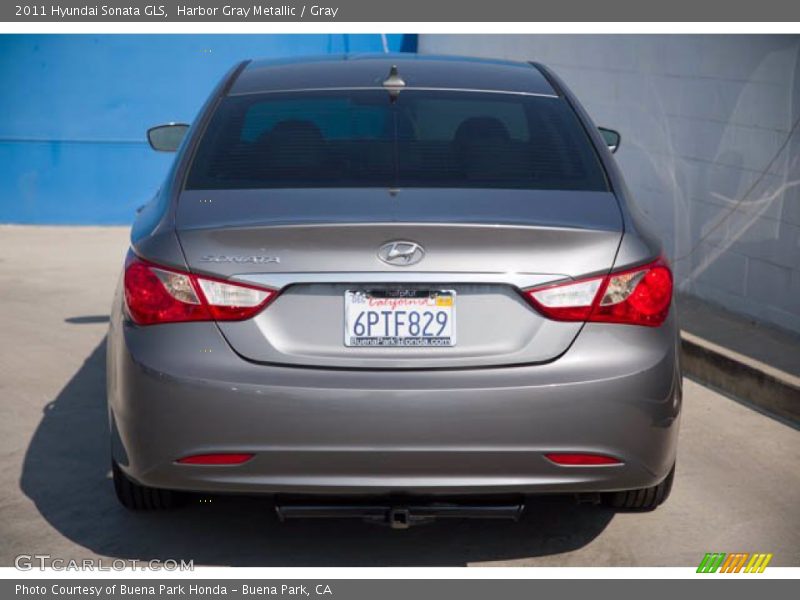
point(581, 459)
point(155, 294)
point(639, 296)
point(216, 459)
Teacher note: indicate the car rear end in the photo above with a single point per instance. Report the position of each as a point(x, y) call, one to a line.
point(355, 290)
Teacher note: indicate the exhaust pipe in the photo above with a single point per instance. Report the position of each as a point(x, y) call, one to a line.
point(399, 516)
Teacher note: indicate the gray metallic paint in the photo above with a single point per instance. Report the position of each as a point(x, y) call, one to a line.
point(449, 247)
point(182, 390)
point(495, 326)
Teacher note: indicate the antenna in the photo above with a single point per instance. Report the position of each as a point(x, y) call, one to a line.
point(394, 83)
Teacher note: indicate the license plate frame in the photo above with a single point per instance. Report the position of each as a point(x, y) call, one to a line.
point(395, 301)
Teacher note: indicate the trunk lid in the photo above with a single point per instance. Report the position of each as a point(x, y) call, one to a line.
point(316, 244)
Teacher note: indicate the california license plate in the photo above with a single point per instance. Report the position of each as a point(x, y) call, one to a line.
point(409, 318)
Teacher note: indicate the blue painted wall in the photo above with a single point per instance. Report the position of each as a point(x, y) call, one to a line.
point(74, 110)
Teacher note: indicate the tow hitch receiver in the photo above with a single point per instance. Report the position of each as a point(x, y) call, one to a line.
point(400, 516)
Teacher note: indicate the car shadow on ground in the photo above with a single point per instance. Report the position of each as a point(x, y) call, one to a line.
point(66, 475)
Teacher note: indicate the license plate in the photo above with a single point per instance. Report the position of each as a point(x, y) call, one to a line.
point(408, 318)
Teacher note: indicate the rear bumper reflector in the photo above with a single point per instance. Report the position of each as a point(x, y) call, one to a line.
point(215, 459)
point(581, 459)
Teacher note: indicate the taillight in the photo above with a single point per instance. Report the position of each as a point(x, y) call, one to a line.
point(156, 294)
point(638, 296)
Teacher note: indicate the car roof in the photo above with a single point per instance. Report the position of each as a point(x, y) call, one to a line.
point(370, 70)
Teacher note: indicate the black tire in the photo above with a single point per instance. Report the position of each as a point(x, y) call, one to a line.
point(138, 497)
point(644, 499)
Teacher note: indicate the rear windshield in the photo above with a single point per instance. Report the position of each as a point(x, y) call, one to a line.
point(421, 139)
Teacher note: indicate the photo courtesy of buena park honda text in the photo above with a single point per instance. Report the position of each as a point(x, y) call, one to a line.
point(343, 300)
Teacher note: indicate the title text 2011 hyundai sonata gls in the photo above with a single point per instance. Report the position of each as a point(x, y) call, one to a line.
point(395, 287)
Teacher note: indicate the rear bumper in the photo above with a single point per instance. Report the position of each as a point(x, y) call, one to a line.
point(178, 390)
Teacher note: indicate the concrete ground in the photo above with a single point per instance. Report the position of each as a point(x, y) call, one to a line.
point(737, 486)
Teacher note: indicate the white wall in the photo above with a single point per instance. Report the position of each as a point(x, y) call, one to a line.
point(708, 149)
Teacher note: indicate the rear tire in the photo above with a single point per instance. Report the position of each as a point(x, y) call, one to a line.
point(644, 499)
point(138, 497)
